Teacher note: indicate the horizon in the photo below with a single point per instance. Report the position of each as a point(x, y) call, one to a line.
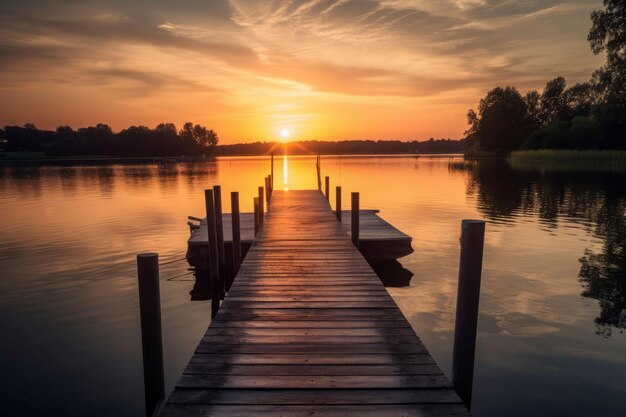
point(339, 70)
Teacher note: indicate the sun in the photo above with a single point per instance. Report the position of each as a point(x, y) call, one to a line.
point(284, 133)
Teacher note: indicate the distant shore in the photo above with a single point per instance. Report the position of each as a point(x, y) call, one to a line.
point(39, 157)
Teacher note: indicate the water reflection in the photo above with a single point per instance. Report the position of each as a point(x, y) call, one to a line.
point(67, 248)
point(596, 200)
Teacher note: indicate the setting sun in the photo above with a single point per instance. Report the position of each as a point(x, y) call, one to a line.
point(284, 133)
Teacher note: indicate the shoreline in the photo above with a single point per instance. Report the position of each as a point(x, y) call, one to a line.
point(178, 159)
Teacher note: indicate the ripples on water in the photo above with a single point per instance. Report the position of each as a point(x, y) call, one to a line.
point(553, 298)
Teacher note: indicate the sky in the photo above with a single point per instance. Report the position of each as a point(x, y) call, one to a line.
point(320, 69)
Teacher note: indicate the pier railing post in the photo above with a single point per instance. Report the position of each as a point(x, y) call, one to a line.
point(272, 173)
point(213, 254)
point(261, 207)
point(267, 190)
point(355, 219)
point(338, 203)
point(327, 187)
point(151, 336)
point(468, 296)
point(256, 215)
point(234, 203)
point(219, 228)
point(318, 167)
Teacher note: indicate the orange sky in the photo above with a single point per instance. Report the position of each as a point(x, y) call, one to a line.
point(323, 69)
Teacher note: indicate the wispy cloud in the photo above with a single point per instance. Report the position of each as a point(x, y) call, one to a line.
point(398, 55)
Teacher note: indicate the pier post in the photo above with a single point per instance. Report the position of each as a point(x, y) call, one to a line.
point(267, 190)
point(151, 336)
point(213, 254)
point(327, 187)
point(468, 296)
point(219, 228)
point(234, 203)
point(355, 219)
point(256, 215)
point(338, 203)
point(319, 172)
point(261, 207)
point(272, 172)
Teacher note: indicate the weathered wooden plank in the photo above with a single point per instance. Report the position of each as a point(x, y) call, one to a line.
point(313, 359)
point(303, 291)
point(308, 324)
point(279, 296)
point(320, 313)
point(399, 410)
point(312, 340)
point(311, 304)
point(315, 397)
point(308, 382)
point(309, 348)
point(310, 370)
point(215, 333)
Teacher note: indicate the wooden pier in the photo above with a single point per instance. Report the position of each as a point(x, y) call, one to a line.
point(379, 239)
point(307, 329)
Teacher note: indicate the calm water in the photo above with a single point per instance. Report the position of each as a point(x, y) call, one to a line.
point(553, 300)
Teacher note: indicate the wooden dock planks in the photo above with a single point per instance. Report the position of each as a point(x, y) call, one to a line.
point(379, 239)
point(308, 329)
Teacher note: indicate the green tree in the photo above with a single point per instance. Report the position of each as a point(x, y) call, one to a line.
point(608, 35)
point(502, 122)
point(533, 103)
point(578, 100)
point(553, 106)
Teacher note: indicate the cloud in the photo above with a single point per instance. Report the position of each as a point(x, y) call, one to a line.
point(258, 53)
point(125, 30)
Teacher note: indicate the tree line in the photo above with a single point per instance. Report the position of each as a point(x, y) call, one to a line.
point(100, 140)
point(345, 147)
point(589, 115)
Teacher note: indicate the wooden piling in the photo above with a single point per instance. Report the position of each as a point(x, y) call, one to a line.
point(219, 228)
point(267, 190)
point(213, 254)
point(468, 297)
point(319, 172)
point(261, 206)
point(234, 204)
point(151, 335)
point(256, 215)
point(327, 187)
point(355, 219)
point(272, 173)
point(338, 203)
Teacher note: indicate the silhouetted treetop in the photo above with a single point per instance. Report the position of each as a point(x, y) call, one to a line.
point(100, 140)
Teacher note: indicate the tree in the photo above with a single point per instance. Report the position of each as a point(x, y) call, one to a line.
point(608, 34)
point(186, 133)
point(166, 129)
point(553, 101)
point(502, 122)
point(533, 103)
point(200, 135)
point(578, 101)
point(212, 138)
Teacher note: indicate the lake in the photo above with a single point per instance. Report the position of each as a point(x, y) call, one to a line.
point(553, 298)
